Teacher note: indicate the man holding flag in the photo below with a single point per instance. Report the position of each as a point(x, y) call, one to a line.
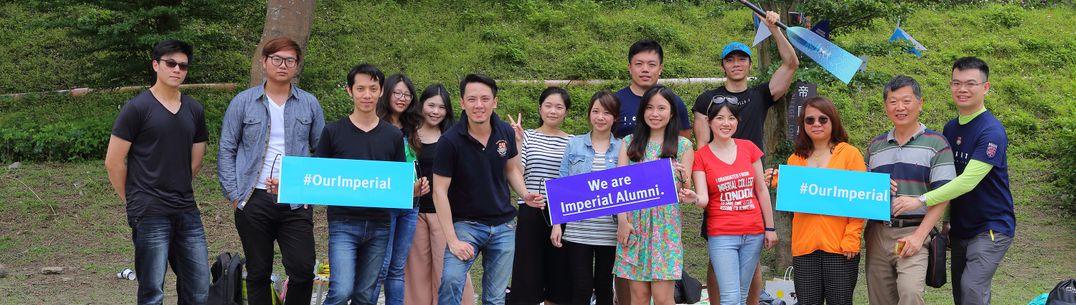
point(753, 102)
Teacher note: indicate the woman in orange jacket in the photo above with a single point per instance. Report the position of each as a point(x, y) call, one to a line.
point(825, 249)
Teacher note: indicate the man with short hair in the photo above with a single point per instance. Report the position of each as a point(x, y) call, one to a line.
point(261, 126)
point(156, 148)
point(983, 221)
point(754, 103)
point(476, 163)
point(918, 160)
point(645, 62)
point(359, 236)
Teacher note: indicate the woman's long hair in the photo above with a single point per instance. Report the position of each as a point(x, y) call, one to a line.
point(804, 146)
point(641, 135)
point(414, 111)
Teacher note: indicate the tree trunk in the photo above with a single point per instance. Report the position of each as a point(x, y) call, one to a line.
point(775, 129)
point(287, 18)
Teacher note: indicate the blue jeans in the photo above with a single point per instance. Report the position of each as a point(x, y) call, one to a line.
point(497, 245)
point(735, 258)
point(392, 272)
point(356, 251)
point(183, 235)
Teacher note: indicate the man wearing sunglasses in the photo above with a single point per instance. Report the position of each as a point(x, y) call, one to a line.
point(261, 126)
point(918, 160)
point(753, 103)
point(156, 148)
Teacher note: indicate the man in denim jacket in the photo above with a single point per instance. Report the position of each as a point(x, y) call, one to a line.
point(261, 126)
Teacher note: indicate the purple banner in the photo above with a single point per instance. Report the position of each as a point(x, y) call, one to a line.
point(611, 191)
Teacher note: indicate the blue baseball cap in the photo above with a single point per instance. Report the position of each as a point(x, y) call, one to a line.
point(735, 47)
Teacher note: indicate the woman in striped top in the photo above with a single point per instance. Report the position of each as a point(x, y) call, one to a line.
point(591, 243)
point(538, 272)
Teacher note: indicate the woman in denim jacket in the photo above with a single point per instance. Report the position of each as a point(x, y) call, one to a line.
point(590, 239)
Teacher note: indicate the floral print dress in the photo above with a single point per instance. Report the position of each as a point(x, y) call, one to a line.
point(654, 251)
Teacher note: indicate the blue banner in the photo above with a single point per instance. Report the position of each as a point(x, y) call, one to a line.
point(347, 182)
point(833, 192)
point(611, 191)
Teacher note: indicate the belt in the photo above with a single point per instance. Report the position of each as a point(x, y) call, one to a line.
point(901, 223)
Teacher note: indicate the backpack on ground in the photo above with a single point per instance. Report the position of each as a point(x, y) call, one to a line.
point(687, 290)
point(226, 287)
point(1063, 294)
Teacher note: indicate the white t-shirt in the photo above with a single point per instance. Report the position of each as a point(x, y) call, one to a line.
point(276, 144)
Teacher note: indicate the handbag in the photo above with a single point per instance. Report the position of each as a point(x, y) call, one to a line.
point(936, 259)
point(782, 289)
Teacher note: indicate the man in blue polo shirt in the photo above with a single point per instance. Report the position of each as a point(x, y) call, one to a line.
point(983, 222)
point(475, 164)
point(645, 61)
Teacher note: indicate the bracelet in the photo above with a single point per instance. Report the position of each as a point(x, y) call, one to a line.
point(771, 230)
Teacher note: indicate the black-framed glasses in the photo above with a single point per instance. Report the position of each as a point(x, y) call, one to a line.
point(289, 62)
point(172, 64)
point(721, 99)
point(401, 95)
point(821, 120)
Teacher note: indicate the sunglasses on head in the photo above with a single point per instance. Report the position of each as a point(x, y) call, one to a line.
point(821, 120)
point(731, 100)
point(171, 64)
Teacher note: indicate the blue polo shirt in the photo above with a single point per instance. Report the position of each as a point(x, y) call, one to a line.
point(629, 106)
point(479, 188)
point(989, 205)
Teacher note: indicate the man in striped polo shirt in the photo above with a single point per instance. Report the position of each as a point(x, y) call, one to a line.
point(918, 160)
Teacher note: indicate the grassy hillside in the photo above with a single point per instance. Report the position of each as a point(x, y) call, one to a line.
point(65, 213)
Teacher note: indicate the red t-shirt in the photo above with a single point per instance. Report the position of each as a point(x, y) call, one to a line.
point(733, 208)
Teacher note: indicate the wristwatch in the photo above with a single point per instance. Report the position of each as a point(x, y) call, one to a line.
point(922, 198)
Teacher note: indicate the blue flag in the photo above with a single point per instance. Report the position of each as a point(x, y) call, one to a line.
point(761, 31)
point(900, 34)
point(822, 29)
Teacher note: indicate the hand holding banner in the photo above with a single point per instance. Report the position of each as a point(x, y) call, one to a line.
point(347, 182)
point(611, 191)
point(833, 192)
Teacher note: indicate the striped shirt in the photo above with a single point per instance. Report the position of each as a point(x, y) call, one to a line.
point(922, 164)
point(541, 159)
point(598, 231)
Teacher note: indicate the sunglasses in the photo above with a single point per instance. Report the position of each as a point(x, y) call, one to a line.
point(821, 120)
point(731, 100)
point(171, 64)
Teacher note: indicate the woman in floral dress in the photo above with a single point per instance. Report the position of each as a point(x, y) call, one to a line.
point(649, 253)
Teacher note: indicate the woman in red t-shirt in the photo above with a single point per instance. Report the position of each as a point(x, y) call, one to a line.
point(729, 183)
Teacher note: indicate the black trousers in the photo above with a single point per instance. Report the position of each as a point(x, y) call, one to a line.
point(538, 268)
point(825, 277)
point(261, 222)
point(591, 271)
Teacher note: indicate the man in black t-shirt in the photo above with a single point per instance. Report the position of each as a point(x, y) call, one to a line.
point(475, 165)
point(156, 148)
point(359, 236)
point(754, 102)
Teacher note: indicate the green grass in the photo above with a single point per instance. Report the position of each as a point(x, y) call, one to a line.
point(78, 221)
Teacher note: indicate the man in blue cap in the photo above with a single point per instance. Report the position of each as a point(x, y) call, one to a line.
point(753, 103)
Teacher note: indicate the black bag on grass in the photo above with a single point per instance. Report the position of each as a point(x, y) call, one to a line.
point(227, 274)
point(1063, 294)
point(687, 289)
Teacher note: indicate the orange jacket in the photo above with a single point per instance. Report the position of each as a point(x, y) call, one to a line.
point(833, 234)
